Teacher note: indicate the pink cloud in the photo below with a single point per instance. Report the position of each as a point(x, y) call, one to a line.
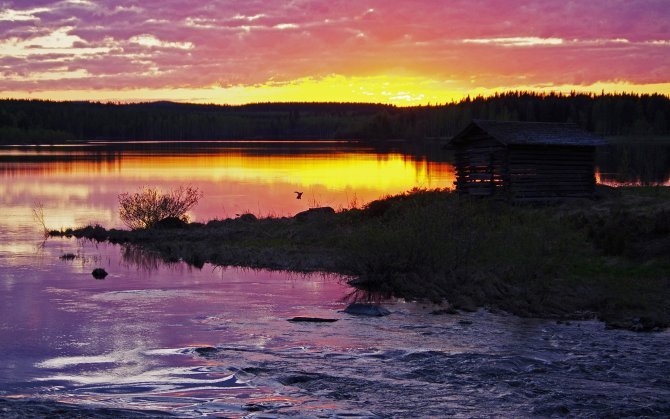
point(251, 42)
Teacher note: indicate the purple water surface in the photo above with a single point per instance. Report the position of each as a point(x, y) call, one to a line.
point(216, 341)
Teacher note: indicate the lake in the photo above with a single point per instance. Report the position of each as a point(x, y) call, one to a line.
point(80, 185)
point(216, 341)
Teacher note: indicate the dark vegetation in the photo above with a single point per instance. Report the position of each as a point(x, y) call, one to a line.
point(149, 206)
point(638, 160)
point(24, 122)
point(605, 259)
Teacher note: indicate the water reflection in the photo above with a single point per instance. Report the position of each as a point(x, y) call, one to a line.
point(132, 340)
point(121, 341)
point(643, 163)
point(80, 185)
point(143, 260)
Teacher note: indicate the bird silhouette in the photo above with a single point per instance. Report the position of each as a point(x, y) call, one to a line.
point(298, 195)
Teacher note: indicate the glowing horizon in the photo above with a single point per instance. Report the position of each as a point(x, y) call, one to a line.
point(393, 52)
point(331, 89)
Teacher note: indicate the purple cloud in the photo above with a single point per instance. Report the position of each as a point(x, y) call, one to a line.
point(152, 43)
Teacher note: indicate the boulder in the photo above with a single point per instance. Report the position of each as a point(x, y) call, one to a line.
point(99, 273)
point(248, 217)
point(448, 310)
point(372, 310)
point(170, 223)
point(313, 213)
point(205, 350)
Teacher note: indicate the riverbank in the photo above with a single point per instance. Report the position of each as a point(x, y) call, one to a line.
point(605, 259)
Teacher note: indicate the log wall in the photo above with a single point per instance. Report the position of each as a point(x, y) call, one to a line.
point(551, 172)
point(481, 167)
point(486, 167)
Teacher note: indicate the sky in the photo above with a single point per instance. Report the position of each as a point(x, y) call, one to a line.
point(385, 51)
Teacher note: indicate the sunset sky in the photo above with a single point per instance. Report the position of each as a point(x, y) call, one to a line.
point(391, 51)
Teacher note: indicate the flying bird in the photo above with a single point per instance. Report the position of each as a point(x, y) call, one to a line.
point(298, 195)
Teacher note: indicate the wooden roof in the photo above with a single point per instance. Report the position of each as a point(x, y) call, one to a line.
point(531, 133)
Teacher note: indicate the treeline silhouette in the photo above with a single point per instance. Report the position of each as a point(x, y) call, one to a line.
point(37, 121)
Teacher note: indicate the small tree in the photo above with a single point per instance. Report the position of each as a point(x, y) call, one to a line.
point(145, 208)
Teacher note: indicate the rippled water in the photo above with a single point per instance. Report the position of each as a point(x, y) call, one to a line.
point(217, 341)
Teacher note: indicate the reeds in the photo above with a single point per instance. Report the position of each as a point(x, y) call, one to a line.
point(38, 216)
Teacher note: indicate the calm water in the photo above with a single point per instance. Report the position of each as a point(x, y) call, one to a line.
point(80, 185)
point(132, 339)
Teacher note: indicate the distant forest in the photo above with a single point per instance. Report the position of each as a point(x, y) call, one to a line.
point(35, 121)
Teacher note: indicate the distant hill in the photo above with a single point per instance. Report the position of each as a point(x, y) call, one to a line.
point(36, 121)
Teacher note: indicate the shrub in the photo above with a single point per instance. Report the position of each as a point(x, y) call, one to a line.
point(145, 208)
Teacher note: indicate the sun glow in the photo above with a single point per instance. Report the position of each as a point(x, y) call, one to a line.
point(400, 53)
point(234, 181)
point(394, 90)
point(386, 173)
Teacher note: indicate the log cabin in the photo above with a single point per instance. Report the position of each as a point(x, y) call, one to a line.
point(525, 161)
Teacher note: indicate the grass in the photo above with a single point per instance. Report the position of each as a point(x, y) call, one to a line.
point(648, 191)
point(606, 258)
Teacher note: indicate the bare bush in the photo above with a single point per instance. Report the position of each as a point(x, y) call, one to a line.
point(38, 216)
point(145, 208)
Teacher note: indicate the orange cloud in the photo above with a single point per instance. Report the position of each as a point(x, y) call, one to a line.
point(318, 50)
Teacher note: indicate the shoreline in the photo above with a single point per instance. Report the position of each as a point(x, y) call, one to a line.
point(604, 259)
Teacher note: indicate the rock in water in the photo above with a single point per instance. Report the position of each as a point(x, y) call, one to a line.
point(372, 310)
point(99, 273)
point(312, 319)
point(448, 310)
point(205, 350)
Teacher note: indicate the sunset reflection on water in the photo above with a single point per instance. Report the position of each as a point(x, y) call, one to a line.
point(81, 186)
point(216, 340)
